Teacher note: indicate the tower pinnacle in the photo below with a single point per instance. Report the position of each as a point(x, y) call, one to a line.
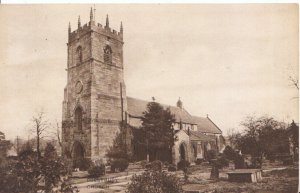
point(121, 28)
point(79, 23)
point(91, 15)
point(69, 28)
point(107, 21)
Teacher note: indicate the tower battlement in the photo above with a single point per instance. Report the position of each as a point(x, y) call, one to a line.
point(92, 26)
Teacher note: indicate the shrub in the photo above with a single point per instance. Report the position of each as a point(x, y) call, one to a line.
point(143, 163)
point(120, 164)
point(211, 154)
point(166, 164)
point(229, 153)
point(183, 164)
point(96, 171)
point(82, 163)
point(172, 168)
point(156, 165)
point(239, 162)
point(153, 181)
point(198, 161)
point(222, 162)
point(148, 166)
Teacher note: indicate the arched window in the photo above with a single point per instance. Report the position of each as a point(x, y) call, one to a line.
point(78, 55)
point(78, 119)
point(107, 54)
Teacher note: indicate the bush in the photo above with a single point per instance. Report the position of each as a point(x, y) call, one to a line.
point(148, 183)
point(143, 163)
point(172, 168)
point(198, 161)
point(211, 154)
point(222, 162)
point(183, 164)
point(148, 166)
point(229, 153)
point(156, 165)
point(239, 162)
point(96, 171)
point(166, 164)
point(82, 163)
point(120, 164)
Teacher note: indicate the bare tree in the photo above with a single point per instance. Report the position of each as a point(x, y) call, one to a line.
point(58, 128)
point(39, 127)
point(294, 81)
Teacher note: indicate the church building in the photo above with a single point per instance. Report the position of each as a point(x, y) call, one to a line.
point(95, 100)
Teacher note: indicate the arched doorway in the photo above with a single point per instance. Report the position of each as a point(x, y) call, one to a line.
point(78, 155)
point(182, 152)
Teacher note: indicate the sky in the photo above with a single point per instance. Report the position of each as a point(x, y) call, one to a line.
point(225, 61)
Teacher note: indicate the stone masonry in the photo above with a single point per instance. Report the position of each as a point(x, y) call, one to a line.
point(95, 94)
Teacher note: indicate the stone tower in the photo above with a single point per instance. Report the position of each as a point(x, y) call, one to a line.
point(95, 95)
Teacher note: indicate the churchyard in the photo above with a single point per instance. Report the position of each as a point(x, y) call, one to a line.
point(276, 178)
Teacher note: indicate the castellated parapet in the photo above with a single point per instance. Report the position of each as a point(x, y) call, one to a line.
point(92, 27)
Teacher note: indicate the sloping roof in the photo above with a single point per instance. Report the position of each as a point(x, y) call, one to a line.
point(136, 107)
point(198, 136)
point(205, 125)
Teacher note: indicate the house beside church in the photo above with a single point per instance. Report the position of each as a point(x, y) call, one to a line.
point(95, 100)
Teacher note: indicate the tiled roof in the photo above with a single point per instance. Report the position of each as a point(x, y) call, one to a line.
point(196, 136)
point(205, 125)
point(136, 107)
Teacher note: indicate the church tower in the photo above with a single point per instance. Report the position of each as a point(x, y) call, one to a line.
point(95, 95)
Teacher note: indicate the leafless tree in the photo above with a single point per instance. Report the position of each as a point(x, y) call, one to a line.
point(294, 81)
point(39, 127)
point(58, 129)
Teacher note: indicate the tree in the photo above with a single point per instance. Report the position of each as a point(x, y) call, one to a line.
point(119, 148)
point(58, 128)
point(52, 167)
point(39, 126)
point(233, 137)
point(294, 81)
point(157, 133)
point(293, 133)
point(5, 145)
point(26, 173)
point(263, 136)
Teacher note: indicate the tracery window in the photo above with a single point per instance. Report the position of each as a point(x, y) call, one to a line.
point(78, 119)
point(108, 55)
point(78, 55)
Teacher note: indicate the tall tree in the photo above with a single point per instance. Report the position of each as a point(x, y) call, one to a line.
point(157, 130)
point(119, 148)
point(39, 127)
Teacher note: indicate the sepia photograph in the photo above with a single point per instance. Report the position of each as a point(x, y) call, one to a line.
point(149, 98)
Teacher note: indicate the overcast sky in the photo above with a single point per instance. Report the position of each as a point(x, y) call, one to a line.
point(228, 61)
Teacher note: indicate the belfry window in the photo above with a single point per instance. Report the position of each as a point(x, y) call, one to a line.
point(107, 55)
point(78, 55)
point(78, 119)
